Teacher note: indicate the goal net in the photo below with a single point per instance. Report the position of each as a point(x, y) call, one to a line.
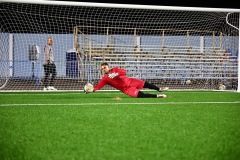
point(177, 47)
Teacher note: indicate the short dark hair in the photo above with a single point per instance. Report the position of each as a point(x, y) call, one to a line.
point(104, 64)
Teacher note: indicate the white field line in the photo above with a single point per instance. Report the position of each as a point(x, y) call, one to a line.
point(101, 104)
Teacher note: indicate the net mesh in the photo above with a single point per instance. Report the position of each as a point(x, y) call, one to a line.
point(179, 49)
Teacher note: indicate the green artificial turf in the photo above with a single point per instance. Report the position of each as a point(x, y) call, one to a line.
point(194, 125)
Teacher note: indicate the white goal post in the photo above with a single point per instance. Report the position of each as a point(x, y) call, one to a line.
point(184, 48)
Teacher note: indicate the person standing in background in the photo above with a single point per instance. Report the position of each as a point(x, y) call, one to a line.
point(49, 66)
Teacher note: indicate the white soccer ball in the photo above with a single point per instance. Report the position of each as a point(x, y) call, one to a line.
point(88, 87)
point(222, 87)
point(188, 82)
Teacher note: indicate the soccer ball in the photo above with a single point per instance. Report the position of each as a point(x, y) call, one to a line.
point(188, 82)
point(88, 87)
point(222, 87)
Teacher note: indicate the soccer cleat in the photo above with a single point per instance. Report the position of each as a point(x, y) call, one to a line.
point(52, 88)
point(161, 96)
point(163, 89)
point(45, 89)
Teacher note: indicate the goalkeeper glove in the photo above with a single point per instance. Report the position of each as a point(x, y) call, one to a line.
point(112, 75)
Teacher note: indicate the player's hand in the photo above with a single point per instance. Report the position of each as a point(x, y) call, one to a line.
point(112, 75)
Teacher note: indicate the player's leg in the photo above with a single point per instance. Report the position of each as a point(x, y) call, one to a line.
point(147, 95)
point(54, 73)
point(152, 86)
point(134, 92)
point(47, 73)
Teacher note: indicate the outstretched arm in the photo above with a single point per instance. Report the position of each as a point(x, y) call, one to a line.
point(101, 84)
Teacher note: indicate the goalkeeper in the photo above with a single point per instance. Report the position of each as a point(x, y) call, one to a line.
point(116, 77)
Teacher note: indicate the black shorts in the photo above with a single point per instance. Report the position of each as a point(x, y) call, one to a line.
point(50, 68)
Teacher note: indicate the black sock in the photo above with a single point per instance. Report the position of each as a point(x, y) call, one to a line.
point(150, 86)
point(145, 95)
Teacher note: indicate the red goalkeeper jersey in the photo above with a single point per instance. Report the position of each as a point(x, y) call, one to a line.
point(120, 82)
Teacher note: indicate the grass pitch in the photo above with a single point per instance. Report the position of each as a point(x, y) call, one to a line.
point(194, 125)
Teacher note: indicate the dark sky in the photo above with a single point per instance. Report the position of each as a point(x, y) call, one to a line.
point(185, 3)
